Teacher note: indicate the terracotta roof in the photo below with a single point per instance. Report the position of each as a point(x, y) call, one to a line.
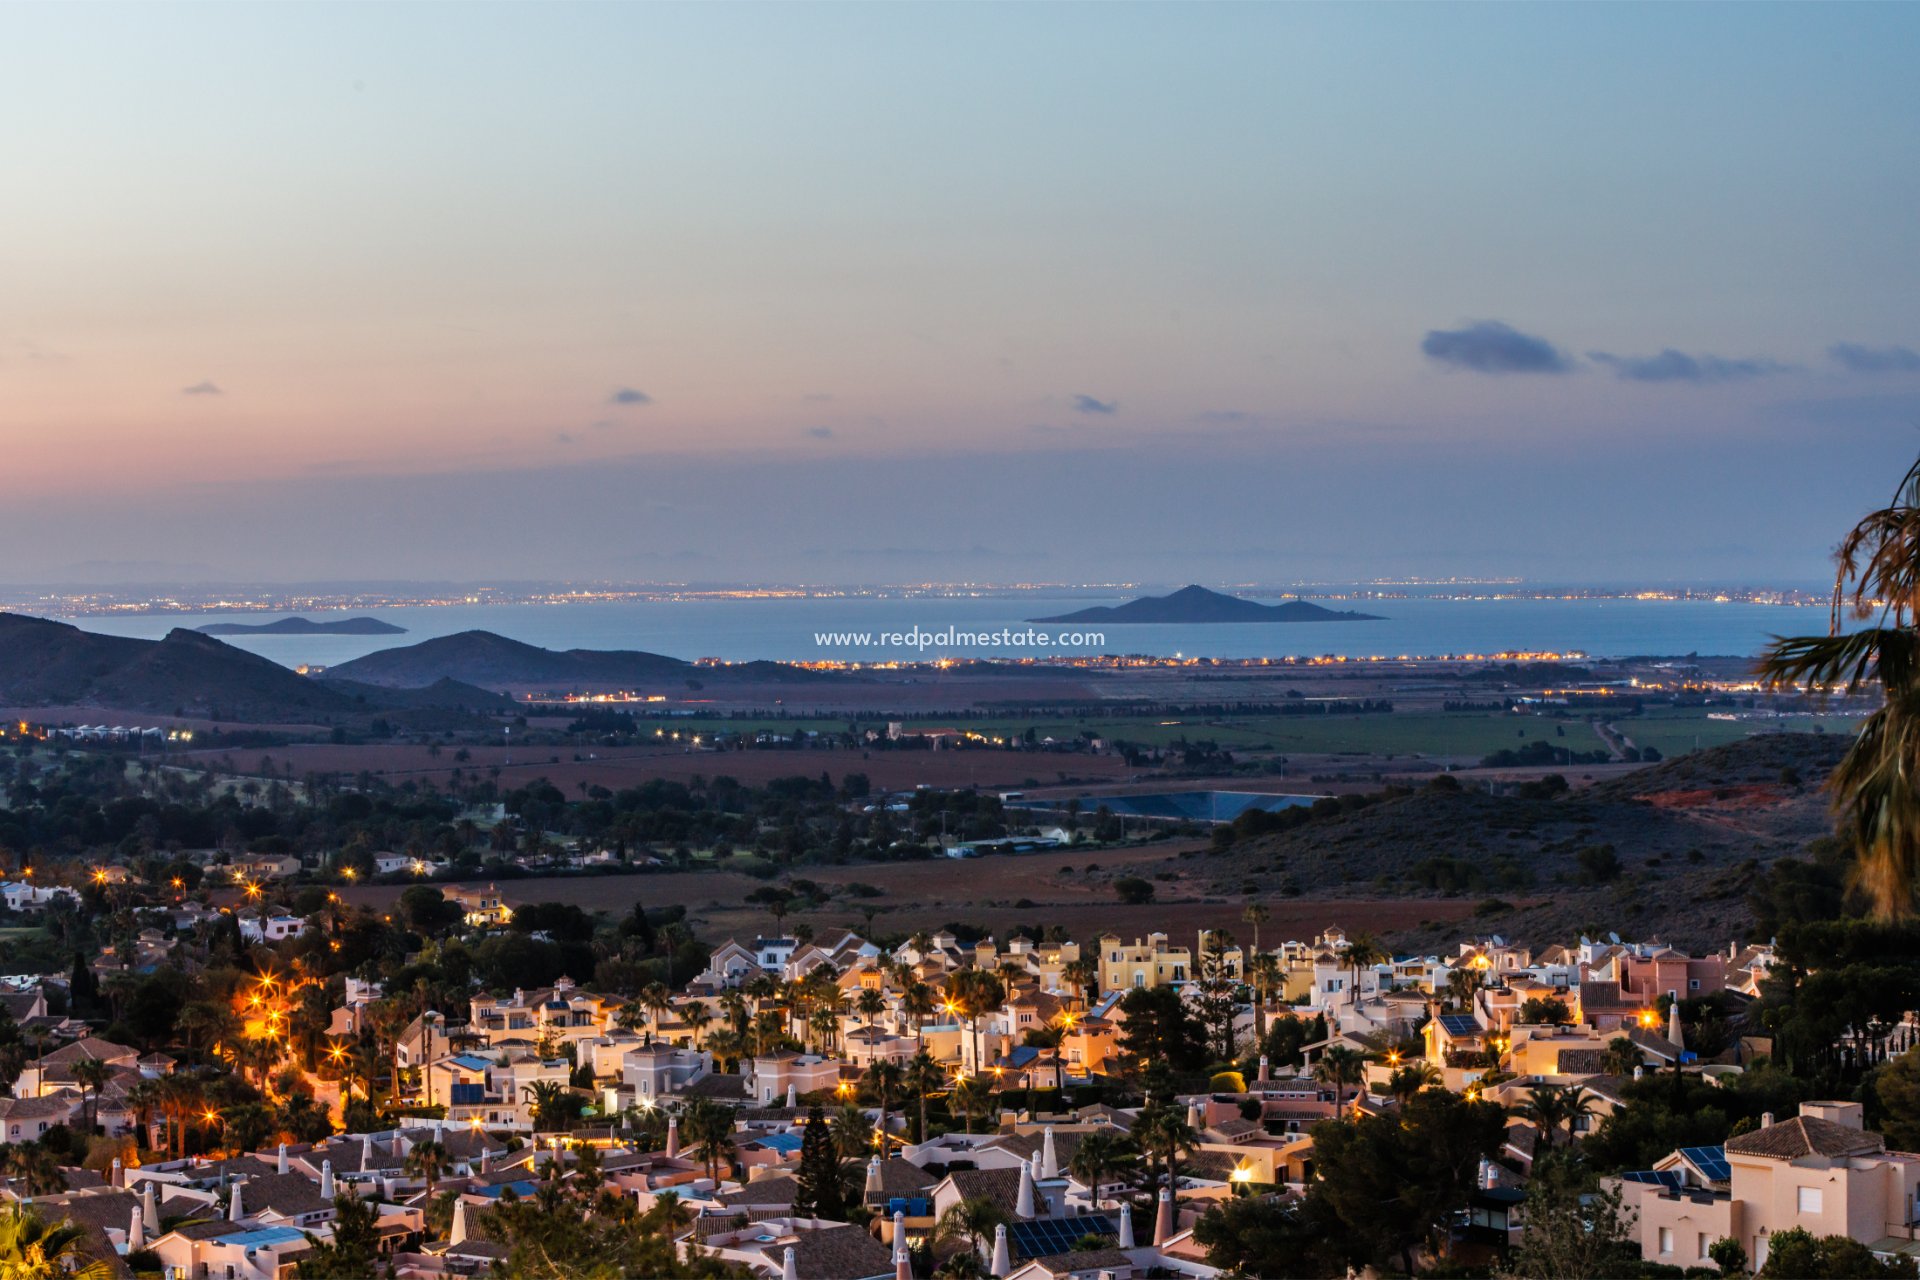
point(779, 1189)
point(1002, 1186)
point(1597, 997)
point(900, 1178)
point(287, 1194)
point(1581, 1062)
point(1806, 1136)
point(838, 1253)
point(1064, 1264)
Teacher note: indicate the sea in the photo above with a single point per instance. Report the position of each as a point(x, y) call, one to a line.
point(814, 628)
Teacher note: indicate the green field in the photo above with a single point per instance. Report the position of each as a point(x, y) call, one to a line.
point(1675, 732)
point(1453, 735)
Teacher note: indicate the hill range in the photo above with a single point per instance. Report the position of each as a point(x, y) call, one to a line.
point(1688, 837)
point(298, 626)
point(495, 662)
point(187, 673)
point(1196, 604)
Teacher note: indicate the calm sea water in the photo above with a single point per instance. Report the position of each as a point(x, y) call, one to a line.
point(785, 629)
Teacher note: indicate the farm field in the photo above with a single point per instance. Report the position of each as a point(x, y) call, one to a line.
point(1675, 733)
point(996, 893)
point(617, 767)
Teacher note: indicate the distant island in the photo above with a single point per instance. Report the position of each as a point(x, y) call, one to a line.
point(1199, 605)
point(303, 627)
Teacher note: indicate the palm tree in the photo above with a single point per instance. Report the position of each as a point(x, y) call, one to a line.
point(1098, 1155)
point(698, 1018)
point(92, 1075)
point(1084, 974)
point(885, 1080)
point(1550, 1106)
point(657, 1000)
point(1163, 1133)
point(1263, 971)
point(1362, 953)
point(35, 1169)
point(1340, 1066)
point(1877, 572)
point(1621, 1057)
point(973, 1222)
point(709, 1130)
point(31, 1249)
point(917, 1002)
point(972, 1095)
point(428, 1160)
point(545, 1096)
point(923, 1077)
point(1256, 914)
point(1411, 1079)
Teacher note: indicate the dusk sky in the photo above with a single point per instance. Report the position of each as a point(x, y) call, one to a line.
point(880, 293)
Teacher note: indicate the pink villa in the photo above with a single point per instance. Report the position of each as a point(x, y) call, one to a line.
point(1820, 1171)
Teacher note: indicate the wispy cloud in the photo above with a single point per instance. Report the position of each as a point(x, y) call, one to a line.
point(1862, 359)
point(627, 395)
point(1678, 366)
point(1488, 346)
point(202, 389)
point(820, 433)
point(1087, 404)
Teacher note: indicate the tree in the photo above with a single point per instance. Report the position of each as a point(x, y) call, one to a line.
point(1098, 1155)
point(1133, 890)
point(1550, 1010)
point(1262, 1236)
point(1574, 1236)
point(1340, 1066)
point(354, 1247)
point(885, 1080)
point(1620, 1057)
point(1896, 1086)
point(1797, 1254)
point(548, 1105)
point(1877, 571)
point(33, 1249)
point(924, 1076)
point(92, 1075)
point(1392, 1183)
point(1550, 1106)
point(428, 1160)
point(1727, 1254)
point(820, 1192)
point(1159, 1027)
point(708, 1127)
point(972, 1095)
point(972, 1222)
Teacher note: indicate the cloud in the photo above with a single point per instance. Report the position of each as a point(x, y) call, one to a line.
point(563, 437)
point(202, 389)
point(820, 433)
point(1678, 366)
point(1859, 359)
point(817, 397)
point(627, 395)
point(1087, 404)
point(1488, 346)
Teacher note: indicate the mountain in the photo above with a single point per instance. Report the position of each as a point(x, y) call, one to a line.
point(45, 663)
point(304, 627)
point(494, 662)
point(1199, 605)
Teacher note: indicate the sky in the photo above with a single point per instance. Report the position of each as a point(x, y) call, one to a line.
point(865, 293)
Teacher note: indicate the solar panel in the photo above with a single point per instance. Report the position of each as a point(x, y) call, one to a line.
point(1460, 1024)
point(1044, 1236)
point(1710, 1161)
point(1662, 1177)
